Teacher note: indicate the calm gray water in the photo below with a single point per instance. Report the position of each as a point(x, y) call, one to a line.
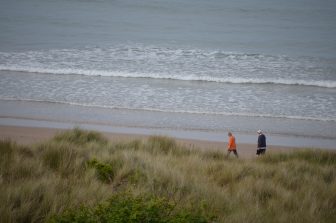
point(252, 62)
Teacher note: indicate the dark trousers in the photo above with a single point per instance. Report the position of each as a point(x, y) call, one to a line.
point(234, 152)
point(261, 151)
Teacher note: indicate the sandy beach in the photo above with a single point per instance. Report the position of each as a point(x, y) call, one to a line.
point(31, 135)
point(120, 111)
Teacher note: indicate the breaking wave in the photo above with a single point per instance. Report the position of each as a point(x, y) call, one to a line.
point(138, 61)
point(233, 80)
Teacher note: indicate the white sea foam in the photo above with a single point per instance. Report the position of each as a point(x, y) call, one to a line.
point(138, 61)
point(233, 80)
point(299, 83)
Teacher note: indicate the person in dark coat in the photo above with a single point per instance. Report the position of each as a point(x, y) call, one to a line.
point(261, 143)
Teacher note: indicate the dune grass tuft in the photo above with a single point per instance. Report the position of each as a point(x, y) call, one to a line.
point(322, 157)
point(81, 137)
point(79, 176)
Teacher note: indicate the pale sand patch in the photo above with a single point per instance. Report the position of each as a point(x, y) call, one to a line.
point(31, 135)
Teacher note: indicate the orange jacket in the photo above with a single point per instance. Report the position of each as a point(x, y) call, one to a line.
point(232, 143)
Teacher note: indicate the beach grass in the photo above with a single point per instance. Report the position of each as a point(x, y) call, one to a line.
point(79, 176)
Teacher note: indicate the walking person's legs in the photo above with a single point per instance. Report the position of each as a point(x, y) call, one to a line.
point(261, 151)
point(258, 152)
point(234, 152)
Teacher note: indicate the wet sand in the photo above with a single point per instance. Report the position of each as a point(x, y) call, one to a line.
point(212, 128)
point(31, 135)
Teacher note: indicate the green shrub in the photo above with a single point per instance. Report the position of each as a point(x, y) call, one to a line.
point(81, 215)
point(105, 171)
point(125, 208)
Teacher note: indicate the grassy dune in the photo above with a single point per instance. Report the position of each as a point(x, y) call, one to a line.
point(79, 176)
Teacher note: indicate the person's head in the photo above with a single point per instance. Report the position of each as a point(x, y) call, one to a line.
point(259, 132)
point(229, 133)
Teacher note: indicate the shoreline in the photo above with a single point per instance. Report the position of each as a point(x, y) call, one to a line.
point(208, 128)
point(30, 135)
point(277, 140)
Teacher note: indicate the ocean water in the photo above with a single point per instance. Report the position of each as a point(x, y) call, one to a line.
point(195, 64)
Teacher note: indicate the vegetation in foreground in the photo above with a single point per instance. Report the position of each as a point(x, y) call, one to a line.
point(79, 176)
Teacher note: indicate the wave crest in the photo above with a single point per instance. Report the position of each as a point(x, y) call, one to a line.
point(232, 80)
point(139, 61)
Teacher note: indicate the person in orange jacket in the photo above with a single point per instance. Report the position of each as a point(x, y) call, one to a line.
point(232, 147)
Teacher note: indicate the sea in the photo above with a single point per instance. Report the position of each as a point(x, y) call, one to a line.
point(210, 66)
